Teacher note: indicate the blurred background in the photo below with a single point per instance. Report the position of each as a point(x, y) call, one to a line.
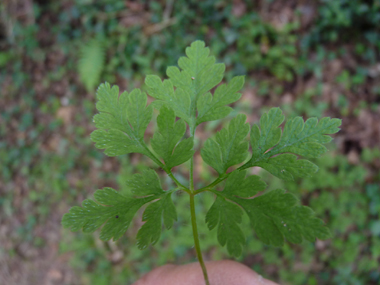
point(310, 57)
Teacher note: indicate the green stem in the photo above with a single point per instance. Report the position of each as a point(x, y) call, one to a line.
point(168, 171)
point(196, 239)
point(218, 180)
point(192, 210)
point(192, 133)
point(192, 174)
point(179, 184)
point(213, 184)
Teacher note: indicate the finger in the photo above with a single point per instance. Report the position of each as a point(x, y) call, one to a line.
point(224, 272)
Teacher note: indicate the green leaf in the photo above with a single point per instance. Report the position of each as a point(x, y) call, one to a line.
point(270, 133)
point(306, 138)
point(113, 209)
point(299, 137)
point(179, 100)
point(227, 216)
point(240, 185)
point(115, 142)
point(229, 147)
point(182, 153)
point(91, 63)
point(212, 108)
point(286, 166)
point(147, 183)
point(122, 121)
point(167, 140)
point(150, 232)
point(276, 215)
point(199, 72)
point(116, 211)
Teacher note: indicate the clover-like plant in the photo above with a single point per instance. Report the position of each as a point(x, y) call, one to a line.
point(122, 121)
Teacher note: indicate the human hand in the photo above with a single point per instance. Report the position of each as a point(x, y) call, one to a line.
point(223, 272)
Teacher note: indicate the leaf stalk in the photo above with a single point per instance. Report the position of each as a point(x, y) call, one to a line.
point(196, 239)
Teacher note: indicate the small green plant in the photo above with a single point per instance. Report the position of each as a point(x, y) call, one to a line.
point(91, 63)
point(262, 46)
point(122, 122)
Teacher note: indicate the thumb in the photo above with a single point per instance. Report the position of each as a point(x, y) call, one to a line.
point(223, 272)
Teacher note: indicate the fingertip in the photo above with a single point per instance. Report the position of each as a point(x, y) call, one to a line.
point(156, 276)
point(227, 272)
point(223, 272)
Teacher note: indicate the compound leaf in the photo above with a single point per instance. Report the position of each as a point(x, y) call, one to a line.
point(299, 137)
point(122, 121)
point(229, 147)
point(227, 216)
point(168, 137)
